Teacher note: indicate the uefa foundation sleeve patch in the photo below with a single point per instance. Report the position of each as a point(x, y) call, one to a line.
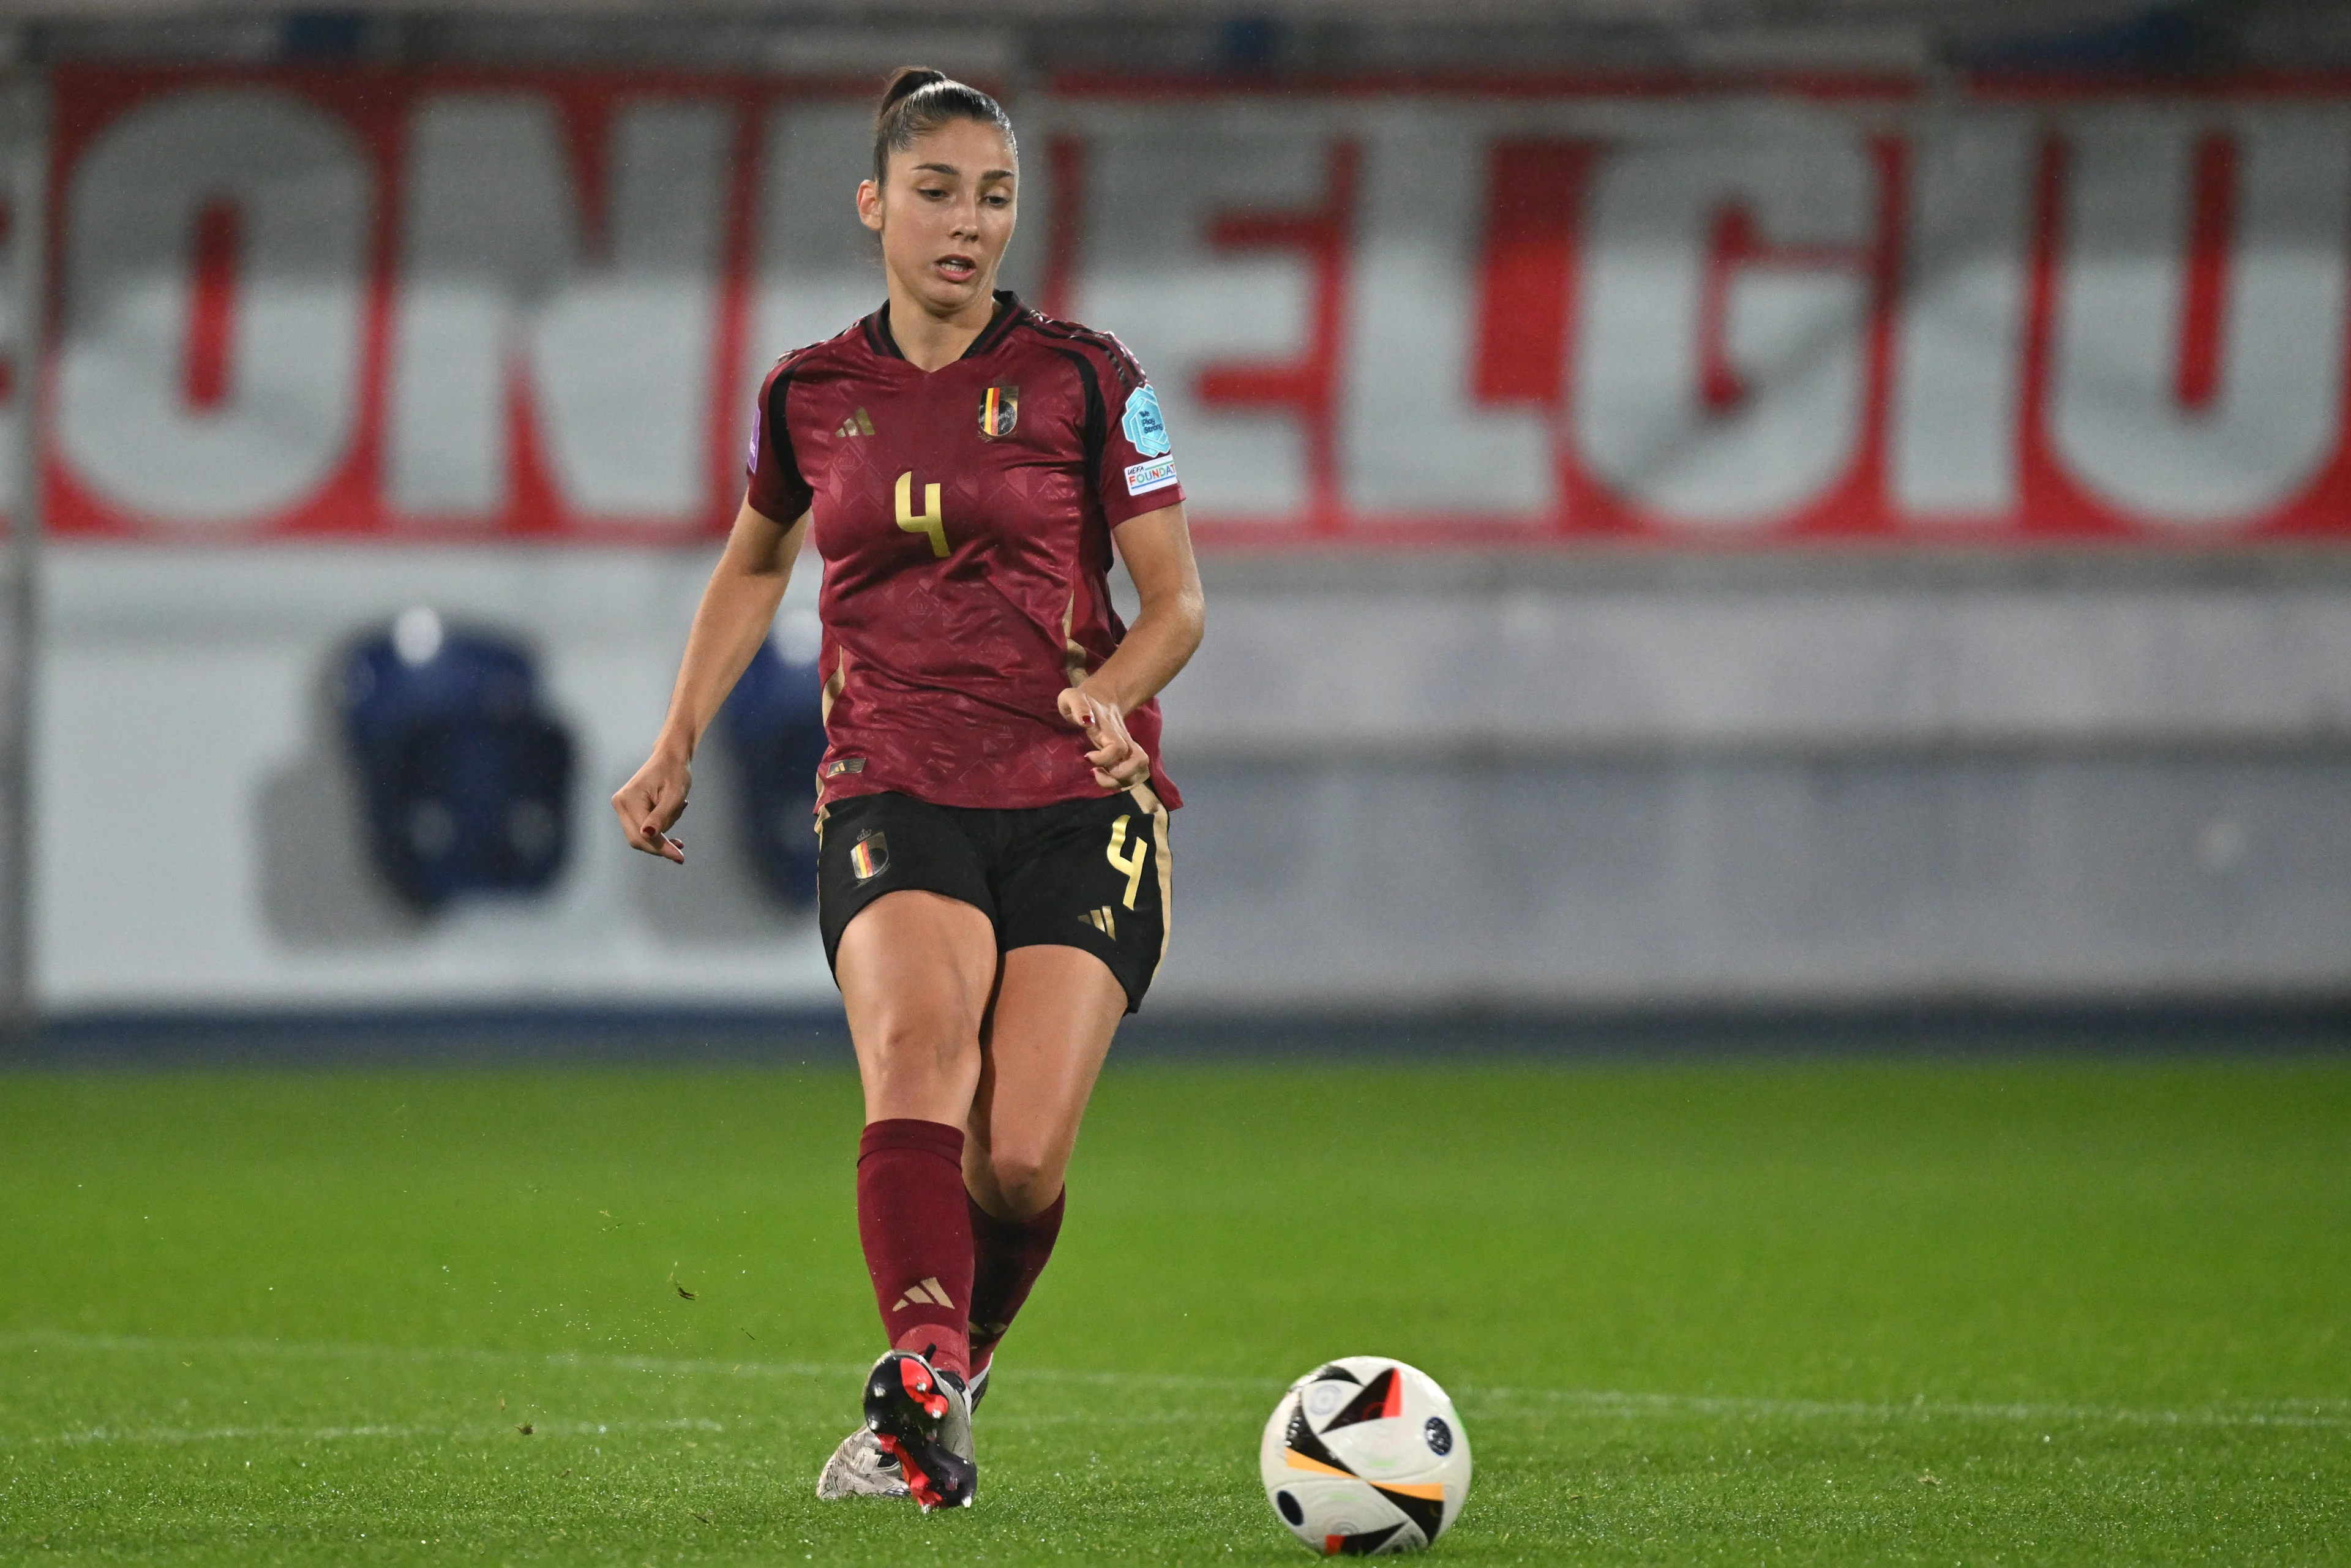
point(1143, 478)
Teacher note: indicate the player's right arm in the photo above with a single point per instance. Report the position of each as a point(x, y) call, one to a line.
point(737, 607)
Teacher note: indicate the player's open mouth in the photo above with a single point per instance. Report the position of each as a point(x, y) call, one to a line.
point(956, 268)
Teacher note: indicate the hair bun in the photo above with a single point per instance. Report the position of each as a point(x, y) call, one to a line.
point(917, 102)
point(904, 82)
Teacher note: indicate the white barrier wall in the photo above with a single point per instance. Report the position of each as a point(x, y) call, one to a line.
point(201, 843)
point(1435, 779)
point(1487, 785)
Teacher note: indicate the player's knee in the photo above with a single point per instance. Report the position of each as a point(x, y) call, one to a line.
point(908, 1047)
point(1029, 1179)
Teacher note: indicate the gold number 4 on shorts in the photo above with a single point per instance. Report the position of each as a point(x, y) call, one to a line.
point(1130, 863)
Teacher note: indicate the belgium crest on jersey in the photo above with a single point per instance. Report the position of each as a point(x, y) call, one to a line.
point(1000, 411)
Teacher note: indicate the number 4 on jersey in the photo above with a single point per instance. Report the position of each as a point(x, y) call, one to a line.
point(932, 520)
point(1130, 863)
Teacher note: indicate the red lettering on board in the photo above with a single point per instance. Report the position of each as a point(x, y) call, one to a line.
point(1308, 385)
point(1535, 199)
point(205, 357)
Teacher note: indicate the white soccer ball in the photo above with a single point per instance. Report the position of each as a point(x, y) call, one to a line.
point(1365, 1456)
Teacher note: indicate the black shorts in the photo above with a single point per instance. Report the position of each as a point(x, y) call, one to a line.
point(1080, 874)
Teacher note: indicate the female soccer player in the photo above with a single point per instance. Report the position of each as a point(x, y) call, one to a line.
point(992, 872)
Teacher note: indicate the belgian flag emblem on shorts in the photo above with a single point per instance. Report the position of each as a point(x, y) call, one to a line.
point(868, 857)
point(1000, 411)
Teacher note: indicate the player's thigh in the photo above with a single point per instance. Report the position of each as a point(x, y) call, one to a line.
point(916, 971)
point(1057, 1008)
point(907, 918)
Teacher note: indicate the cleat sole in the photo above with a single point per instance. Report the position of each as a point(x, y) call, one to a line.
point(907, 1411)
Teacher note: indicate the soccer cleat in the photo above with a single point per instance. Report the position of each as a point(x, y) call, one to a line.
point(922, 1418)
point(861, 1467)
point(979, 1385)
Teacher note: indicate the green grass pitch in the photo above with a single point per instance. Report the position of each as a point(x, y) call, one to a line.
point(2053, 1312)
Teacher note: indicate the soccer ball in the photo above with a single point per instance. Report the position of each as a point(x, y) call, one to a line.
point(1365, 1456)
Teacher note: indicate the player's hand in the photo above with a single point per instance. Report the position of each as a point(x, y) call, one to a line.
point(1118, 762)
point(650, 804)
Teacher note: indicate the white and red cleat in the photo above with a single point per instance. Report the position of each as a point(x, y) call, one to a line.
point(922, 1418)
point(861, 1467)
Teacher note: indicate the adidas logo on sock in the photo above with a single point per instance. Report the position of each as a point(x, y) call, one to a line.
point(930, 1293)
point(857, 423)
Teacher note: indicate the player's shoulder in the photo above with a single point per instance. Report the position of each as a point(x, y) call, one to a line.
point(845, 348)
point(1109, 358)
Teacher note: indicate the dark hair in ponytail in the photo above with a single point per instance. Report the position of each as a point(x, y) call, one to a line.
point(918, 100)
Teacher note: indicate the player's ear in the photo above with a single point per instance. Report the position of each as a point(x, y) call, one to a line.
point(869, 205)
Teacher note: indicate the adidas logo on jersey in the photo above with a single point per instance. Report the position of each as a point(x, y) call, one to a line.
point(1103, 920)
point(857, 423)
point(930, 1293)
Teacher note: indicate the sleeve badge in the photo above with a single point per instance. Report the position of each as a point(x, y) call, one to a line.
point(1146, 427)
point(1144, 477)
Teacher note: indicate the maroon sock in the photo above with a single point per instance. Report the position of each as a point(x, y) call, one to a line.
point(1007, 1256)
point(911, 1217)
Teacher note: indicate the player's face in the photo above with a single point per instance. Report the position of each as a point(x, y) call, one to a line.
point(946, 214)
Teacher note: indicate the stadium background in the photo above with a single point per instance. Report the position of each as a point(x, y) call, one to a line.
point(1769, 561)
point(1705, 507)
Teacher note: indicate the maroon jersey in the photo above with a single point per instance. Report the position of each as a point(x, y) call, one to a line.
point(963, 516)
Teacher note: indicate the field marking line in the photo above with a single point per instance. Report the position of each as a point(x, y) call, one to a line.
point(705, 1366)
point(176, 1435)
point(318, 1349)
point(2314, 1414)
point(540, 1427)
point(2298, 1412)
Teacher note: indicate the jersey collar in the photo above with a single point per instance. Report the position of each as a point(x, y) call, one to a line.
point(1009, 310)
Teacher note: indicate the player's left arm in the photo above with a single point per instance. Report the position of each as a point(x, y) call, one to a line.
point(1157, 549)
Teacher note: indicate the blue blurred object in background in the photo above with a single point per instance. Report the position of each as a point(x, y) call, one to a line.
point(466, 781)
point(774, 724)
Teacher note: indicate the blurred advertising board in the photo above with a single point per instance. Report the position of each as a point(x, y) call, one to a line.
point(442, 306)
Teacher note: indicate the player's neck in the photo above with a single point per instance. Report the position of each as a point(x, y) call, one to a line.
point(929, 341)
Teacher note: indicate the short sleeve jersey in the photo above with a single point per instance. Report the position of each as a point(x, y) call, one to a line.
point(963, 516)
